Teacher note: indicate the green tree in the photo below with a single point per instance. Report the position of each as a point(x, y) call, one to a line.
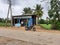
point(54, 12)
point(38, 11)
point(55, 9)
point(27, 10)
point(50, 13)
point(42, 21)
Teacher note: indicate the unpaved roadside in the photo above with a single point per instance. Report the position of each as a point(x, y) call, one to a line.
point(10, 41)
point(38, 29)
point(41, 38)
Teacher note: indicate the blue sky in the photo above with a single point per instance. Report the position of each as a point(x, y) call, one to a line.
point(17, 9)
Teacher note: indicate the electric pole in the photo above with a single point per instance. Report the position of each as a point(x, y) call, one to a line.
point(9, 11)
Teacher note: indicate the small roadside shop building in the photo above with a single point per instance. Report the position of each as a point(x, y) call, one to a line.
point(26, 19)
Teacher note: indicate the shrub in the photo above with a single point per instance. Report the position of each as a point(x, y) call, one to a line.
point(58, 25)
point(42, 21)
point(54, 26)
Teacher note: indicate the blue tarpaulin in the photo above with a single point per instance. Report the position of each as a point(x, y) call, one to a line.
point(18, 24)
point(30, 23)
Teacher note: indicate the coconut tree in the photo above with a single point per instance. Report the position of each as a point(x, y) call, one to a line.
point(27, 10)
point(38, 11)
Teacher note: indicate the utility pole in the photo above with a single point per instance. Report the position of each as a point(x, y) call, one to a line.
point(9, 11)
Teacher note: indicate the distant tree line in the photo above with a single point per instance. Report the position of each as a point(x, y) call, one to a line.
point(2, 20)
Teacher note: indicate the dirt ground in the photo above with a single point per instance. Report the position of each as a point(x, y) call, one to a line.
point(39, 37)
point(10, 41)
point(38, 29)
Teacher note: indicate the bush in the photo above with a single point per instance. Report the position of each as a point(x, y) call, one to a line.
point(54, 26)
point(42, 21)
point(58, 25)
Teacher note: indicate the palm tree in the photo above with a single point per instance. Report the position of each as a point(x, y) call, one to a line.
point(27, 10)
point(38, 11)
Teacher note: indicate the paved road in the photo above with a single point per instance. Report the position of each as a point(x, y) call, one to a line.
point(43, 38)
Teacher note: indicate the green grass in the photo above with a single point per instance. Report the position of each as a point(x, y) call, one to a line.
point(4, 24)
point(46, 26)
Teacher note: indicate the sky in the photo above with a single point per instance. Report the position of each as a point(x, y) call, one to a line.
point(18, 5)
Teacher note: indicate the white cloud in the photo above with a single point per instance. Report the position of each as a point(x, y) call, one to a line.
point(18, 9)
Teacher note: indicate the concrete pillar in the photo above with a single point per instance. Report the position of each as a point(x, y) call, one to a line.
point(36, 20)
